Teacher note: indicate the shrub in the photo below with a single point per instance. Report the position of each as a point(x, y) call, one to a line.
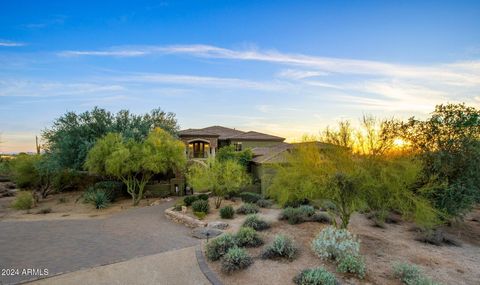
point(297, 215)
point(23, 201)
point(250, 197)
point(296, 203)
point(114, 189)
point(190, 199)
point(62, 200)
point(410, 274)
point(219, 246)
point(235, 259)
point(227, 212)
point(352, 264)
point(253, 221)
point(248, 237)
point(264, 203)
point(323, 218)
point(98, 198)
point(203, 196)
point(248, 208)
point(342, 247)
point(315, 276)
point(45, 211)
point(281, 247)
point(178, 205)
point(200, 215)
point(201, 206)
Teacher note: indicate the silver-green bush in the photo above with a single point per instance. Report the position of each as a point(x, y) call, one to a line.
point(235, 259)
point(248, 237)
point(410, 274)
point(219, 246)
point(315, 276)
point(281, 247)
point(253, 221)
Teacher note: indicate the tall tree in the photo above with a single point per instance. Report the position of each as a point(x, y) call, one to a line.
point(133, 162)
point(73, 135)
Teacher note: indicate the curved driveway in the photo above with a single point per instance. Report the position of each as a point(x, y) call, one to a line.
point(69, 245)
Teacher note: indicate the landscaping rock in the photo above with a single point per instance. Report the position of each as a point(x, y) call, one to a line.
point(180, 218)
point(203, 233)
point(218, 225)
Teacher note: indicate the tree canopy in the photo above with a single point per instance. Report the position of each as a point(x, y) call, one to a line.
point(72, 135)
point(135, 162)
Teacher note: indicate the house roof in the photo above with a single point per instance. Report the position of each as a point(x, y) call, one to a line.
point(274, 154)
point(224, 133)
point(256, 136)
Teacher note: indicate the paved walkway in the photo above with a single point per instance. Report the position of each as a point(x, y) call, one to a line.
point(178, 267)
point(70, 245)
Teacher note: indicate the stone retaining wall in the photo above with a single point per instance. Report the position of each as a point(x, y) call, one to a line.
point(184, 219)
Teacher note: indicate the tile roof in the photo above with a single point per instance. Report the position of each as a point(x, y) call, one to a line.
point(274, 154)
point(224, 133)
point(257, 136)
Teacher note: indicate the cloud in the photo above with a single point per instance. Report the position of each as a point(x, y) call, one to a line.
point(4, 43)
point(459, 74)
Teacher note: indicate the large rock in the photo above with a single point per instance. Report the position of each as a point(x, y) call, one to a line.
point(203, 233)
point(218, 225)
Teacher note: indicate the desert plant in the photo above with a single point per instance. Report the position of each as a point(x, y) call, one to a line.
point(190, 199)
point(248, 208)
point(315, 276)
point(297, 215)
point(98, 198)
point(342, 247)
point(112, 188)
point(352, 264)
point(248, 237)
point(44, 211)
point(219, 246)
point(411, 274)
point(23, 201)
point(264, 203)
point(323, 218)
point(281, 247)
point(250, 197)
point(253, 221)
point(201, 206)
point(203, 196)
point(235, 259)
point(227, 212)
point(200, 215)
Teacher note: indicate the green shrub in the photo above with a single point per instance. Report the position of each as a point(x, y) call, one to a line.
point(227, 212)
point(190, 199)
point(248, 237)
point(98, 198)
point(235, 259)
point(281, 247)
point(253, 221)
point(219, 246)
point(323, 218)
point(264, 203)
point(315, 276)
point(410, 274)
point(44, 211)
point(203, 196)
point(250, 197)
point(342, 247)
point(352, 264)
point(248, 208)
point(200, 215)
point(296, 203)
point(114, 189)
point(297, 215)
point(201, 206)
point(23, 201)
point(178, 205)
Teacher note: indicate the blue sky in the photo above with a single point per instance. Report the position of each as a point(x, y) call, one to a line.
point(283, 67)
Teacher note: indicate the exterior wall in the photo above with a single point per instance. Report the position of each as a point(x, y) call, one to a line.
point(253, 144)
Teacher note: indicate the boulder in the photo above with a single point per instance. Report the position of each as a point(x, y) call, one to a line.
point(206, 232)
point(218, 225)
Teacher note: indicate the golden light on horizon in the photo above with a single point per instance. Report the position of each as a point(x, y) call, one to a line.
point(398, 142)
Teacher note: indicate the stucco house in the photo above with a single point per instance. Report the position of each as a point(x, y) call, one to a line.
point(267, 149)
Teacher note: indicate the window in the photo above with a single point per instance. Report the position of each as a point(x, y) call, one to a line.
point(238, 146)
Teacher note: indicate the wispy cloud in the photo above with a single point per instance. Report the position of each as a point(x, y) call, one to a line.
point(4, 43)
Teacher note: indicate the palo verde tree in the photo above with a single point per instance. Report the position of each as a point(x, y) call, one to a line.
point(222, 177)
point(134, 163)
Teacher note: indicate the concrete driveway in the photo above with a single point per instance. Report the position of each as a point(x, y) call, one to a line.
point(70, 245)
